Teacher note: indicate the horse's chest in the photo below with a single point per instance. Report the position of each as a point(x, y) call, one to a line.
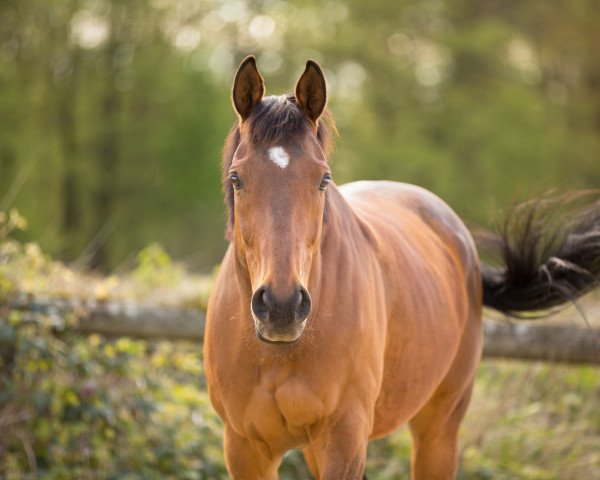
point(287, 412)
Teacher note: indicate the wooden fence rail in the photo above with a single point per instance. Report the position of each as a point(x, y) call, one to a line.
point(516, 340)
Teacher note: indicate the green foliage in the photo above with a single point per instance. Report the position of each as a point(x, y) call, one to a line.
point(91, 408)
point(155, 267)
point(24, 268)
point(87, 407)
point(115, 112)
point(9, 224)
point(532, 421)
point(113, 115)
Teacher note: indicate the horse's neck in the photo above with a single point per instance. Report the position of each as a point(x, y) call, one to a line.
point(341, 225)
point(341, 229)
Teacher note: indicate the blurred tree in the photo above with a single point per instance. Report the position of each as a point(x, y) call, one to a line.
point(66, 96)
point(114, 113)
point(108, 152)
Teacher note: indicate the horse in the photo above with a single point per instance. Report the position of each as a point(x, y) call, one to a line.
point(340, 313)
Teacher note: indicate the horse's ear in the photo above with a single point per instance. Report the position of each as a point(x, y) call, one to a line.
point(248, 88)
point(311, 91)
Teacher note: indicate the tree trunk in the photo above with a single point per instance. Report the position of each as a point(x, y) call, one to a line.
point(70, 195)
point(107, 154)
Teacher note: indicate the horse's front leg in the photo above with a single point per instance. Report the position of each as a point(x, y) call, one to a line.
point(341, 452)
point(248, 460)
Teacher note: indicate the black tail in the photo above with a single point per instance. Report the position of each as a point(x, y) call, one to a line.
point(549, 252)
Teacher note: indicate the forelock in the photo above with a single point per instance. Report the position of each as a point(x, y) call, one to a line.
point(276, 119)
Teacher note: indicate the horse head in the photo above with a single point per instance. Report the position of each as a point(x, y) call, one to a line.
point(276, 175)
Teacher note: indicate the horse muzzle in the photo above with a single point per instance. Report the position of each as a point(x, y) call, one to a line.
point(280, 320)
point(278, 335)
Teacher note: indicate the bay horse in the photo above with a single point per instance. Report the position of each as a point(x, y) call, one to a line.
point(342, 312)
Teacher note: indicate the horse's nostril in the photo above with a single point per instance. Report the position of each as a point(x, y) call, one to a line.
point(268, 309)
point(298, 300)
point(304, 304)
point(265, 299)
point(261, 304)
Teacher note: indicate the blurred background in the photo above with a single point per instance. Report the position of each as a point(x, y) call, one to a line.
point(112, 119)
point(113, 113)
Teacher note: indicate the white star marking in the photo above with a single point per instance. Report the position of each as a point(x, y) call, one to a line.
point(279, 157)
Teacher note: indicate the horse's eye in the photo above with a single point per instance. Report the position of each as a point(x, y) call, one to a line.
point(235, 180)
point(324, 182)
